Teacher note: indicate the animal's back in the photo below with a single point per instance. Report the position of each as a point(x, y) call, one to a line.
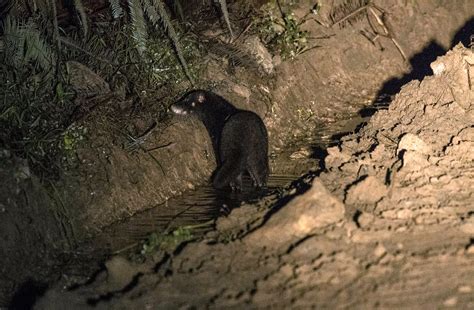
point(243, 147)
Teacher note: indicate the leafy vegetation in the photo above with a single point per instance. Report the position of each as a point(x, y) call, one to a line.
point(282, 31)
point(166, 242)
point(37, 101)
point(138, 41)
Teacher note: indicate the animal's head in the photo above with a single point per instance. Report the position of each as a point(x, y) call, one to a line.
point(191, 102)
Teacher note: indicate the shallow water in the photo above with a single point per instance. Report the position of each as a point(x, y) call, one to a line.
point(205, 203)
point(192, 208)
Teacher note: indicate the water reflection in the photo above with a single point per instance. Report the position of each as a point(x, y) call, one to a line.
point(194, 207)
point(205, 203)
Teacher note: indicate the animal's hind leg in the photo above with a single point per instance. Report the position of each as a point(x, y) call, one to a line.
point(236, 183)
point(228, 174)
point(259, 175)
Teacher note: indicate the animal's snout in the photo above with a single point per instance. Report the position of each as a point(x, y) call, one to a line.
point(178, 110)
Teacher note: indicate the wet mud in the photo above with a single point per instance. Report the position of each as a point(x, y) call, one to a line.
point(390, 211)
point(388, 224)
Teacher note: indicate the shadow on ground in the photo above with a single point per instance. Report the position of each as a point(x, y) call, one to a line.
point(420, 67)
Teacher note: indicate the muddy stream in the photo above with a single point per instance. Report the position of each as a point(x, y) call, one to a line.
point(198, 208)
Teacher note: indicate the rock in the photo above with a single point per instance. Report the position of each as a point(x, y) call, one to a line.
point(301, 153)
point(365, 219)
point(242, 91)
point(380, 251)
point(468, 227)
point(411, 142)
point(120, 273)
point(315, 209)
point(456, 67)
point(335, 157)
point(414, 161)
point(450, 302)
point(368, 191)
point(464, 289)
point(263, 57)
point(86, 82)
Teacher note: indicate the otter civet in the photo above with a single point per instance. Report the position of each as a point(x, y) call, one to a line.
point(239, 138)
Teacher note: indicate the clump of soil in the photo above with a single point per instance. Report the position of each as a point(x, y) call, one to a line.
point(389, 224)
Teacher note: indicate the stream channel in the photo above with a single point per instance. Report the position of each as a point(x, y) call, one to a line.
point(201, 206)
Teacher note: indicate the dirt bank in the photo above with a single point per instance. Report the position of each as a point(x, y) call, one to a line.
point(389, 224)
point(107, 182)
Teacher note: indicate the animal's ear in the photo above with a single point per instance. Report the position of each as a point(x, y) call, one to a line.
point(201, 98)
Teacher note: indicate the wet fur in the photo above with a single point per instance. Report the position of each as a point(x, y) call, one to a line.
point(239, 138)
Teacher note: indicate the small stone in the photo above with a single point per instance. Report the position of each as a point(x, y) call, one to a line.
point(470, 249)
point(365, 219)
point(368, 191)
point(301, 154)
point(401, 229)
point(379, 251)
point(468, 227)
point(242, 91)
point(450, 302)
point(438, 68)
point(404, 214)
point(287, 270)
point(411, 142)
point(464, 289)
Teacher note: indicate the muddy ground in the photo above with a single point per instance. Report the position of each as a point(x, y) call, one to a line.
point(390, 223)
point(310, 251)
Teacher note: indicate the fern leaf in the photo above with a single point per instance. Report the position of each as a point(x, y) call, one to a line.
point(39, 51)
point(225, 13)
point(140, 33)
point(13, 40)
point(82, 13)
point(162, 15)
point(24, 44)
point(117, 10)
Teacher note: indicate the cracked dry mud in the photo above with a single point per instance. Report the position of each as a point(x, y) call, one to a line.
point(389, 223)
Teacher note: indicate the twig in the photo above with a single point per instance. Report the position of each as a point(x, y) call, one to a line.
point(159, 147)
point(140, 139)
point(243, 31)
point(351, 14)
point(387, 32)
point(308, 49)
point(281, 11)
point(156, 160)
point(468, 72)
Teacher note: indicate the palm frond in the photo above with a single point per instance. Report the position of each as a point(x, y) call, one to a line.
point(162, 15)
point(140, 33)
point(117, 10)
point(23, 43)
